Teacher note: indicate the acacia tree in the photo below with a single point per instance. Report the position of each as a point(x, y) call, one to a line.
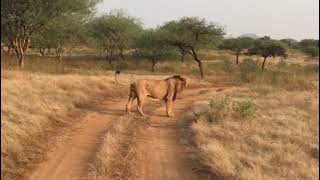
point(268, 48)
point(20, 19)
point(150, 46)
point(237, 45)
point(191, 33)
point(59, 34)
point(114, 33)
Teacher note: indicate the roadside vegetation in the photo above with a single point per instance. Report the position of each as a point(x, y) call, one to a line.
point(35, 107)
point(267, 129)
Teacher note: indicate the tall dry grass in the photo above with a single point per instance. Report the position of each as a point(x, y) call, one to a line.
point(278, 140)
point(35, 106)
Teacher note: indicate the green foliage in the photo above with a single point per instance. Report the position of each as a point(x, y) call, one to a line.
point(291, 43)
point(237, 44)
point(21, 19)
point(221, 108)
point(62, 32)
point(192, 31)
point(310, 47)
point(227, 66)
point(312, 51)
point(114, 32)
point(309, 42)
point(149, 45)
point(189, 34)
point(217, 110)
point(243, 109)
point(267, 48)
point(248, 70)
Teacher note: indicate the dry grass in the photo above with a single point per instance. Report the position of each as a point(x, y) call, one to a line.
point(35, 106)
point(278, 141)
point(116, 156)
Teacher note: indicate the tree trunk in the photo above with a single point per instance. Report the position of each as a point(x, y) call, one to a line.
point(21, 62)
point(100, 52)
point(195, 56)
point(110, 62)
point(237, 59)
point(201, 68)
point(59, 52)
point(41, 50)
point(20, 45)
point(182, 57)
point(264, 61)
point(20, 58)
point(121, 54)
point(153, 64)
point(49, 51)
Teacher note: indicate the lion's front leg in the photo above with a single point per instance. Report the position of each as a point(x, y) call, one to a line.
point(169, 108)
point(140, 105)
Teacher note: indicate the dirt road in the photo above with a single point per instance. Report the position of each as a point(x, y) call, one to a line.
point(163, 148)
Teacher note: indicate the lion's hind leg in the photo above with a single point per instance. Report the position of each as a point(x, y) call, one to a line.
point(140, 105)
point(132, 97)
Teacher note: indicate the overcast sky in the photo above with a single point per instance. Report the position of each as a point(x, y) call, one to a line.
point(297, 19)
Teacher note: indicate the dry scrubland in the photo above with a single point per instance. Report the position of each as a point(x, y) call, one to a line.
point(278, 140)
point(271, 134)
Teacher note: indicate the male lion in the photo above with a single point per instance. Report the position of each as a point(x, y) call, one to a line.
point(166, 89)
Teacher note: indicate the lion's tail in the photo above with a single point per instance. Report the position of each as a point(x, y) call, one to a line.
point(118, 82)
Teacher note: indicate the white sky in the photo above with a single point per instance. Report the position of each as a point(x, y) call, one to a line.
point(296, 19)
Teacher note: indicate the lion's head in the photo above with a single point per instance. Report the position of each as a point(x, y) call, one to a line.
point(180, 84)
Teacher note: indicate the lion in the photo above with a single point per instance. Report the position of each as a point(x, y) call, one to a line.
point(167, 89)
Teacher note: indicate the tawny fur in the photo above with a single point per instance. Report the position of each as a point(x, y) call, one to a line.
point(166, 90)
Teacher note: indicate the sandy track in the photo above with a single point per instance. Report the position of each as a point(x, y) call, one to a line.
point(163, 147)
point(70, 159)
point(165, 150)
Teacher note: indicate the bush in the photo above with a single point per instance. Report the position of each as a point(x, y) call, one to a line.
point(227, 66)
point(311, 51)
point(217, 110)
point(243, 109)
point(223, 108)
point(248, 70)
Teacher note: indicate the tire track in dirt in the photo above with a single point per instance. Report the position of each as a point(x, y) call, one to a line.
point(71, 157)
point(167, 153)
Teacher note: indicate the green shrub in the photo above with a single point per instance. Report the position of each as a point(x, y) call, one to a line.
point(217, 110)
point(311, 51)
point(227, 66)
point(243, 109)
point(248, 70)
point(223, 108)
